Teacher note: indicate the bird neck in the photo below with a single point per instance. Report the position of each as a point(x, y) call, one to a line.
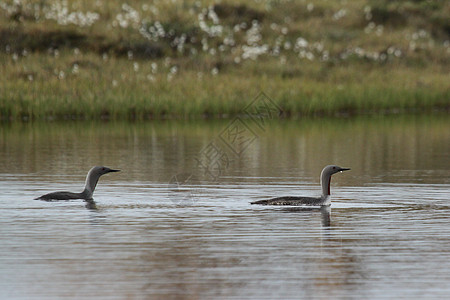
point(325, 200)
point(91, 183)
point(325, 181)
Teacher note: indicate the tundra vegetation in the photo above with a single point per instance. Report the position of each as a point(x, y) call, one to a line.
point(79, 59)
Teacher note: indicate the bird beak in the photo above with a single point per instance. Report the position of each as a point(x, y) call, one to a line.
point(112, 170)
point(344, 169)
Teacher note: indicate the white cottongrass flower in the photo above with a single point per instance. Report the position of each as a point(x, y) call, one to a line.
point(310, 56)
point(129, 16)
point(75, 69)
point(154, 67)
point(212, 15)
point(300, 43)
point(173, 70)
point(340, 14)
point(59, 11)
point(213, 30)
point(253, 35)
point(153, 32)
point(287, 45)
point(252, 52)
point(368, 13)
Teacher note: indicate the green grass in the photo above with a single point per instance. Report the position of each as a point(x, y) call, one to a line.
point(361, 57)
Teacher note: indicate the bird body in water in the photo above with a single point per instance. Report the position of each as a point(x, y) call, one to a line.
point(91, 182)
point(323, 200)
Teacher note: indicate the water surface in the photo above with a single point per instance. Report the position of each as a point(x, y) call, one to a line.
point(150, 236)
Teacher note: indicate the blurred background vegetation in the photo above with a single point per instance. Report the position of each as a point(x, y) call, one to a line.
point(80, 59)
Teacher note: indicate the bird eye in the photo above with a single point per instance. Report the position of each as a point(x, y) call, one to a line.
point(334, 168)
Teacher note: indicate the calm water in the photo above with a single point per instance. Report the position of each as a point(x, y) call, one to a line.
point(176, 222)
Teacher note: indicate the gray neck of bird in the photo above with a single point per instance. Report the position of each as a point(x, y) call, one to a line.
point(91, 183)
point(325, 181)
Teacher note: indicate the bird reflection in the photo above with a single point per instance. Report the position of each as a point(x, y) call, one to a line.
point(90, 204)
point(325, 212)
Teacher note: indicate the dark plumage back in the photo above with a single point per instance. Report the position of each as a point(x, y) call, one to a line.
point(59, 196)
point(290, 201)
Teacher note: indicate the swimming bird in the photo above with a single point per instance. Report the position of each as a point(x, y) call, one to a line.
point(325, 180)
point(91, 182)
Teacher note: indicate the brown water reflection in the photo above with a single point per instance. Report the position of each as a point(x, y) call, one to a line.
point(389, 149)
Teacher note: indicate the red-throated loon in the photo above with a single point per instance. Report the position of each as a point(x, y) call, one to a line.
point(325, 180)
point(91, 182)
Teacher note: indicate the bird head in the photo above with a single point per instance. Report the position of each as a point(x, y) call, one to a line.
point(103, 170)
point(333, 169)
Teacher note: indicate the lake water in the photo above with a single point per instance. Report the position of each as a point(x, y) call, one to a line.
point(176, 222)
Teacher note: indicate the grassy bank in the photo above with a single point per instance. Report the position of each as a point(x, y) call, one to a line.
point(185, 59)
